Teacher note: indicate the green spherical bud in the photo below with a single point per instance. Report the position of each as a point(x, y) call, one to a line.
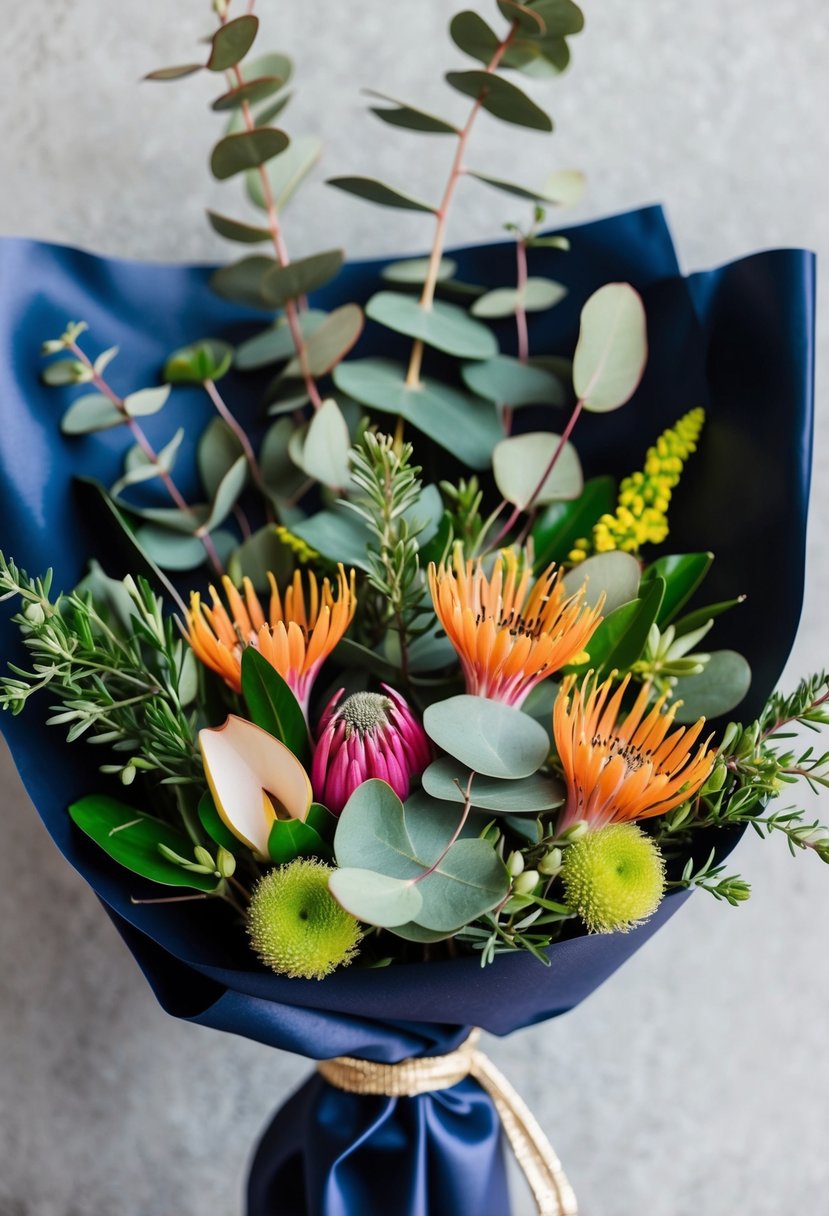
point(550, 863)
point(614, 877)
point(225, 862)
point(296, 925)
point(515, 864)
point(526, 882)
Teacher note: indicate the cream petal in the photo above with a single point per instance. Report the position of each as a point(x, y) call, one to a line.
point(243, 764)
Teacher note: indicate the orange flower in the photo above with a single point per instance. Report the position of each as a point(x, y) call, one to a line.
point(509, 635)
point(620, 772)
point(296, 638)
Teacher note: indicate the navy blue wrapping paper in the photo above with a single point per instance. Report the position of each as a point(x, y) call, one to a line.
point(737, 340)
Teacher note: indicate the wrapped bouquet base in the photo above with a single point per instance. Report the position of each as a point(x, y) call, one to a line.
point(736, 341)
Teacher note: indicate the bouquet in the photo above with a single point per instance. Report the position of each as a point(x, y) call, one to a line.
point(399, 689)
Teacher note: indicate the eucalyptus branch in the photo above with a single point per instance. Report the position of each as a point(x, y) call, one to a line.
point(227, 416)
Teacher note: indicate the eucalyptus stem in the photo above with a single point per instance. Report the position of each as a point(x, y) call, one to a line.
point(427, 295)
point(224, 412)
point(149, 451)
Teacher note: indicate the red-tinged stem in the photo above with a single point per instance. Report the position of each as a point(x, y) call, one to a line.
point(243, 522)
point(467, 806)
point(149, 451)
point(528, 506)
point(427, 295)
point(781, 722)
point(225, 414)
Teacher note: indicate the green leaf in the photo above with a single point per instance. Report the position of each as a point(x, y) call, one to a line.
point(488, 737)
point(132, 838)
point(227, 492)
point(342, 536)
point(170, 550)
point(64, 371)
point(446, 779)
point(471, 34)
point(399, 114)
point(251, 91)
point(372, 191)
point(231, 42)
point(139, 468)
point(174, 73)
point(682, 573)
point(526, 16)
point(502, 99)
point(285, 172)
point(563, 188)
point(260, 554)
point(376, 834)
point(538, 58)
point(538, 295)
point(291, 838)
point(612, 349)
point(716, 690)
point(708, 612)
point(276, 344)
point(620, 638)
point(218, 450)
point(271, 703)
point(462, 424)
point(519, 463)
point(274, 63)
point(508, 382)
point(209, 359)
point(375, 899)
point(284, 283)
point(214, 825)
point(146, 401)
point(563, 523)
point(282, 478)
point(414, 271)
point(616, 574)
point(444, 326)
point(330, 342)
point(561, 17)
point(92, 412)
point(235, 230)
point(326, 447)
point(241, 282)
point(248, 149)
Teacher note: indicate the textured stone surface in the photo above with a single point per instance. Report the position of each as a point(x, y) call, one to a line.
point(695, 1080)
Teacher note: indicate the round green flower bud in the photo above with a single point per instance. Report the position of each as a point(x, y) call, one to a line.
point(614, 877)
point(296, 925)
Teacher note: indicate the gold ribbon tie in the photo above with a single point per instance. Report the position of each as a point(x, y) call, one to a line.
point(422, 1075)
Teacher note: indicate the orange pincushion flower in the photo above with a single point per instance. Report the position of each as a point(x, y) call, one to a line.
point(618, 772)
point(509, 635)
point(297, 636)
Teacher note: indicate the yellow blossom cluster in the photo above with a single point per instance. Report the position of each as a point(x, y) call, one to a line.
point(641, 515)
point(301, 551)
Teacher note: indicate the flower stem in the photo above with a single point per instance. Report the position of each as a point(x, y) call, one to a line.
point(224, 412)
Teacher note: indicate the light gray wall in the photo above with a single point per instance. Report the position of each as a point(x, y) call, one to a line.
point(696, 1080)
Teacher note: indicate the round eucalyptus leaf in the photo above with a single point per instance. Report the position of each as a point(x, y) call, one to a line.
point(330, 342)
point(138, 467)
point(616, 574)
point(326, 446)
point(241, 282)
point(446, 779)
point(276, 344)
point(227, 492)
point(170, 550)
point(376, 899)
point(561, 17)
point(519, 463)
point(92, 412)
point(501, 99)
point(500, 302)
point(231, 42)
point(716, 690)
point(492, 739)
point(285, 172)
point(372, 191)
point(235, 230)
point(284, 283)
point(250, 92)
point(539, 294)
point(525, 15)
point(562, 189)
point(414, 271)
point(509, 382)
point(469, 881)
point(612, 348)
point(260, 554)
point(471, 34)
point(444, 326)
point(218, 450)
point(235, 153)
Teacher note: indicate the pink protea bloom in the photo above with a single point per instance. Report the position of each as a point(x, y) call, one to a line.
point(371, 734)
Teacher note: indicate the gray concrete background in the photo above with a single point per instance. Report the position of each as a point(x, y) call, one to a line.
point(696, 1080)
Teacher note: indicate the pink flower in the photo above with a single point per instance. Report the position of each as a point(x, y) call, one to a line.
point(371, 734)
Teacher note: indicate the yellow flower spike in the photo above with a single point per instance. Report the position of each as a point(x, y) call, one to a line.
point(623, 771)
point(296, 637)
point(644, 497)
point(254, 779)
point(509, 634)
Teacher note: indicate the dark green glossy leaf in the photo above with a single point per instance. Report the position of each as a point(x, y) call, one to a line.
point(174, 73)
point(231, 42)
point(444, 326)
point(708, 612)
point(399, 114)
point(251, 91)
point(682, 573)
point(464, 425)
point(715, 691)
point(525, 15)
point(215, 826)
point(501, 98)
point(372, 191)
point(131, 838)
point(247, 150)
point(271, 703)
point(561, 17)
point(621, 637)
point(284, 283)
point(241, 282)
point(471, 34)
point(209, 359)
point(561, 524)
point(235, 230)
point(291, 838)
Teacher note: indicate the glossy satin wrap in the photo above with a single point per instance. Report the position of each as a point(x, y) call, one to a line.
point(738, 340)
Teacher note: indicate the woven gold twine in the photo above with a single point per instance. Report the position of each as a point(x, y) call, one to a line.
point(552, 1192)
